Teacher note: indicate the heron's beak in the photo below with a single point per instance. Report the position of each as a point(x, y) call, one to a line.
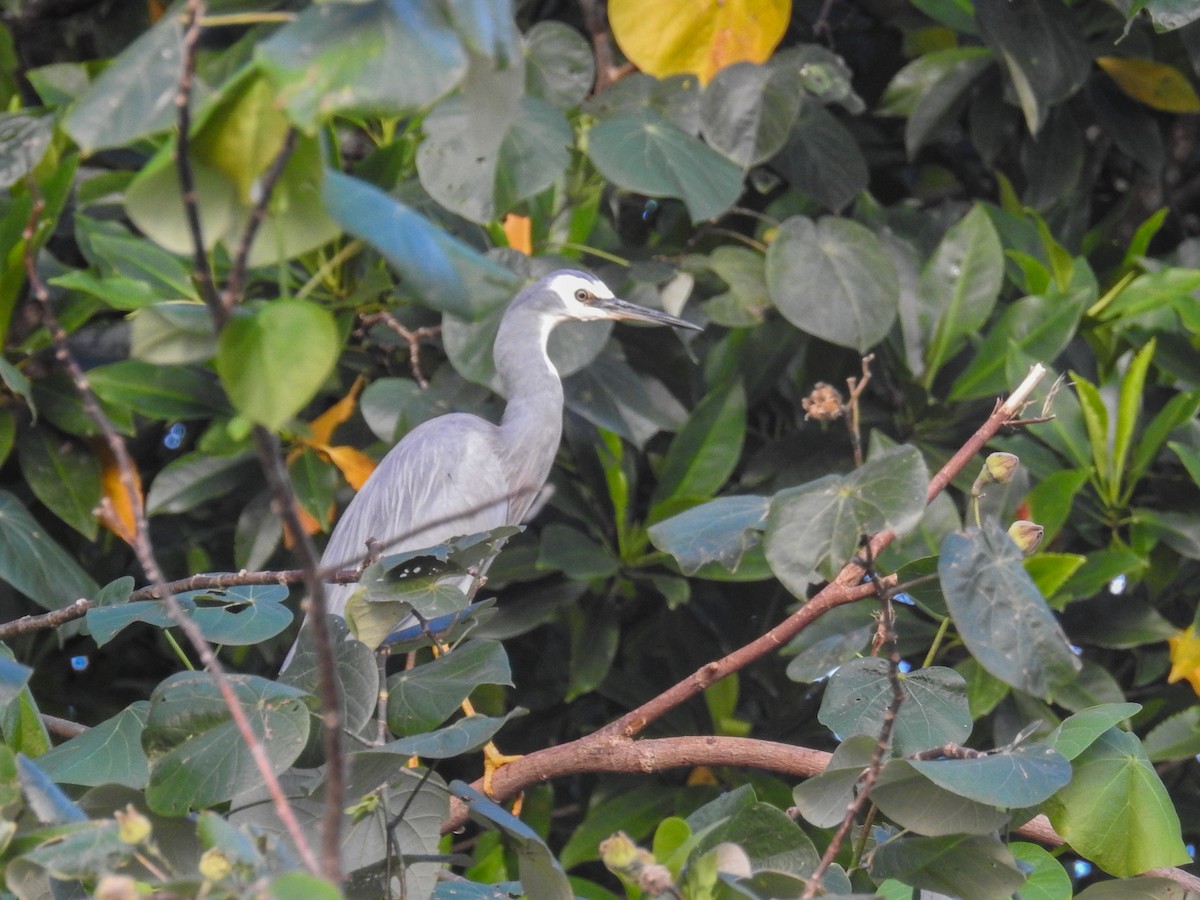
point(620, 309)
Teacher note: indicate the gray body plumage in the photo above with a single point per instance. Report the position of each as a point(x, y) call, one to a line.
point(459, 474)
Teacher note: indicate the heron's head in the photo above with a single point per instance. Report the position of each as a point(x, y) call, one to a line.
point(578, 296)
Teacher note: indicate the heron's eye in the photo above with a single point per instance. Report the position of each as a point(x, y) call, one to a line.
point(583, 295)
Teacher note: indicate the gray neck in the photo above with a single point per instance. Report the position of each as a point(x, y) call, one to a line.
point(532, 424)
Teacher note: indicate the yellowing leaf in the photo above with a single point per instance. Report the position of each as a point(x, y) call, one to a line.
point(1185, 658)
point(322, 426)
point(669, 37)
point(519, 231)
point(356, 467)
point(116, 512)
point(1155, 84)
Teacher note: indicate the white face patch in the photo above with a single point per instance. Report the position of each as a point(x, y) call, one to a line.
point(578, 294)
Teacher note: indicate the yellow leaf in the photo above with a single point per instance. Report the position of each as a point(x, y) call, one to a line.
point(1155, 84)
point(1185, 658)
point(116, 513)
point(519, 231)
point(669, 37)
point(356, 467)
point(322, 427)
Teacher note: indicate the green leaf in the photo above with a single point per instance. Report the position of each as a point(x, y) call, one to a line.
point(109, 753)
point(117, 291)
point(159, 392)
point(1116, 811)
point(595, 632)
point(238, 616)
point(123, 256)
point(832, 640)
point(377, 58)
point(135, 96)
point(301, 884)
point(1013, 778)
point(977, 866)
point(720, 531)
point(1178, 530)
point(934, 711)
point(64, 475)
point(542, 875)
point(1044, 49)
point(706, 450)
point(1052, 498)
point(257, 353)
point(197, 757)
point(833, 279)
point(190, 480)
point(1046, 878)
point(747, 111)
point(1078, 732)
point(814, 529)
point(1129, 407)
point(568, 550)
point(559, 66)
point(999, 613)
point(822, 159)
point(32, 563)
point(1178, 410)
point(823, 799)
point(636, 812)
point(467, 734)
point(769, 838)
point(959, 287)
point(642, 151)
point(1037, 327)
point(1175, 739)
point(446, 273)
point(13, 678)
point(173, 333)
point(420, 699)
point(230, 153)
point(932, 90)
point(908, 798)
point(1050, 571)
point(482, 155)
point(357, 673)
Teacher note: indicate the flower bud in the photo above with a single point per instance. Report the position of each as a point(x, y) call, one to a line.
point(132, 826)
point(1027, 535)
point(998, 468)
point(656, 880)
point(623, 857)
point(116, 887)
point(215, 865)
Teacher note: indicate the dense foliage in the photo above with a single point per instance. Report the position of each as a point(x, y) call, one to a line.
point(242, 239)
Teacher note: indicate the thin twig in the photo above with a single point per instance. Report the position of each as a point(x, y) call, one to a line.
point(143, 549)
point(232, 295)
point(865, 784)
point(183, 169)
point(288, 508)
point(857, 386)
point(411, 336)
point(216, 582)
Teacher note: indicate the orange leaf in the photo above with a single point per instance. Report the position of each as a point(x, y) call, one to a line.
point(307, 522)
point(519, 231)
point(356, 467)
point(1155, 84)
point(669, 37)
point(323, 426)
point(116, 509)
